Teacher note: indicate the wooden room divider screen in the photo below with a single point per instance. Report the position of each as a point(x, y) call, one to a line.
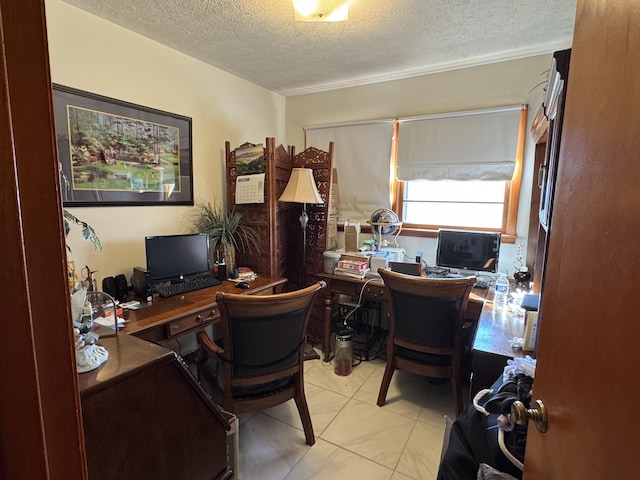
point(278, 225)
point(319, 237)
point(269, 218)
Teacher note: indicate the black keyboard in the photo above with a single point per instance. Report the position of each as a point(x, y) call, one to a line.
point(198, 283)
point(444, 275)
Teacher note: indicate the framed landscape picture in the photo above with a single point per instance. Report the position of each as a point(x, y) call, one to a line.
point(117, 153)
point(249, 159)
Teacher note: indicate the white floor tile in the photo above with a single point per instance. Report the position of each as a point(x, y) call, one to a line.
point(325, 461)
point(399, 476)
point(268, 449)
point(355, 438)
point(322, 375)
point(323, 408)
point(421, 457)
point(370, 431)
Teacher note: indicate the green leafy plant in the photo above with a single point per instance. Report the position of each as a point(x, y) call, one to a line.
point(225, 229)
point(88, 233)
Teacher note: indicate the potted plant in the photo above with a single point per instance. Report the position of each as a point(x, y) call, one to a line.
point(227, 231)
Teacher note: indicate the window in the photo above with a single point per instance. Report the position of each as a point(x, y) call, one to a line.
point(450, 203)
point(362, 159)
point(441, 191)
point(460, 170)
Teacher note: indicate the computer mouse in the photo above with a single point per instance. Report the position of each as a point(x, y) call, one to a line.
point(242, 285)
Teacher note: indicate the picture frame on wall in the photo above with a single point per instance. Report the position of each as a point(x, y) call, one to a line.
point(116, 153)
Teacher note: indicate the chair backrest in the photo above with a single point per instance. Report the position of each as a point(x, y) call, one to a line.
point(265, 334)
point(426, 312)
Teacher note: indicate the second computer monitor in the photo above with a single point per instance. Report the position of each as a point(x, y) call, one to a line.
point(468, 250)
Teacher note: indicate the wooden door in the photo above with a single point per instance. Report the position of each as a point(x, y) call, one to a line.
point(40, 424)
point(587, 372)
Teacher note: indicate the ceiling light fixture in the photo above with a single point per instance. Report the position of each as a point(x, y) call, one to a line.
point(321, 10)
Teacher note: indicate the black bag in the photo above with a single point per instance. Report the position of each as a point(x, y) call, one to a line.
point(504, 394)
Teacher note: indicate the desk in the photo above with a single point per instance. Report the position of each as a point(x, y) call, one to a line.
point(146, 417)
point(372, 289)
point(167, 318)
point(491, 348)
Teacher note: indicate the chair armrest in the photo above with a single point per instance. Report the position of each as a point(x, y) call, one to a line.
point(209, 345)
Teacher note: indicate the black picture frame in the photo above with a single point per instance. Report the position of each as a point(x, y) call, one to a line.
point(116, 153)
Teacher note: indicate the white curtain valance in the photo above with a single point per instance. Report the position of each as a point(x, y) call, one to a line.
point(362, 158)
point(472, 145)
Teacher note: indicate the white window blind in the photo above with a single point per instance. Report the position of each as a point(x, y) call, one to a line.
point(362, 158)
point(472, 145)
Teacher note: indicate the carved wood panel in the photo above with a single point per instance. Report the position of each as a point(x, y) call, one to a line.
point(321, 162)
point(269, 219)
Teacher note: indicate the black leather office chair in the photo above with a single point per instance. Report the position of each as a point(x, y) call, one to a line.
point(426, 328)
point(260, 362)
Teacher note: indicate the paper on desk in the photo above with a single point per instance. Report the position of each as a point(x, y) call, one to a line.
point(108, 322)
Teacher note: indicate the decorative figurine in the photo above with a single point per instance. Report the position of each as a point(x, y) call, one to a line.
point(89, 355)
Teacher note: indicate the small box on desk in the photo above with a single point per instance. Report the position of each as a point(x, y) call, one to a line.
point(352, 237)
point(397, 253)
point(355, 257)
point(380, 260)
point(530, 301)
point(352, 268)
point(530, 331)
point(408, 268)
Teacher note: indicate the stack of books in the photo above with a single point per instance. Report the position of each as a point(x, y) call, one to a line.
point(245, 274)
point(352, 268)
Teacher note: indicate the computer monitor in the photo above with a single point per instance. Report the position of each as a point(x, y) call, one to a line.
point(175, 257)
point(468, 250)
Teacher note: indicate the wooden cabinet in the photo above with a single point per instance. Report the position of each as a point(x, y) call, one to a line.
point(547, 132)
point(269, 218)
point(146, 417)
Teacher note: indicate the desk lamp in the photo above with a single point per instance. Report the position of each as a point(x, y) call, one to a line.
point(302, 188)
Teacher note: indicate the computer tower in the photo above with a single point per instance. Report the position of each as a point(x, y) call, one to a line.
point(141, 282)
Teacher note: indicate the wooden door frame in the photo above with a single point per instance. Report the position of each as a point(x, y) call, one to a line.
point(40, 408)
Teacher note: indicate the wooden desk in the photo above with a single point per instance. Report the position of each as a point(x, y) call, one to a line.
point(167, 318)
point(146, 417)
point(491, 347)
point(372, 289)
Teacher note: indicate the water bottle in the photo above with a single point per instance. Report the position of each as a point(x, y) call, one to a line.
point(502, 292)
point(343, 358)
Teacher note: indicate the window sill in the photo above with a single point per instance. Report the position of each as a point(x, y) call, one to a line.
point(422, 232)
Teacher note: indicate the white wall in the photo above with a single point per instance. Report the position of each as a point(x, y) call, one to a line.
point(94, 55)
point(505, 83)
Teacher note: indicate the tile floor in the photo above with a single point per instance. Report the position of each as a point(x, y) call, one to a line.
point(355, 438)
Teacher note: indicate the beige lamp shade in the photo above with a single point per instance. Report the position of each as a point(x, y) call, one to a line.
point(301, 188)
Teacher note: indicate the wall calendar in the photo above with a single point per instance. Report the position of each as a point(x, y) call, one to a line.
point(250, 189)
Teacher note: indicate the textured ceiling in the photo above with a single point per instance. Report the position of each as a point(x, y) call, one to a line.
point(258, 40)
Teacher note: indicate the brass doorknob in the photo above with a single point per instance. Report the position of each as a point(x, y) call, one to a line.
point(521, 414)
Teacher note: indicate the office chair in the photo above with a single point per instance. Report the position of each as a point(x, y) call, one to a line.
point(260, 362)
point(426, 328)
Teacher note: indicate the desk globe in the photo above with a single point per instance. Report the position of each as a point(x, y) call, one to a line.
point(385, 222)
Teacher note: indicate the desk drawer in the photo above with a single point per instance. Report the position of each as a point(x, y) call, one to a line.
point(373, 292)
point(194, 320)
